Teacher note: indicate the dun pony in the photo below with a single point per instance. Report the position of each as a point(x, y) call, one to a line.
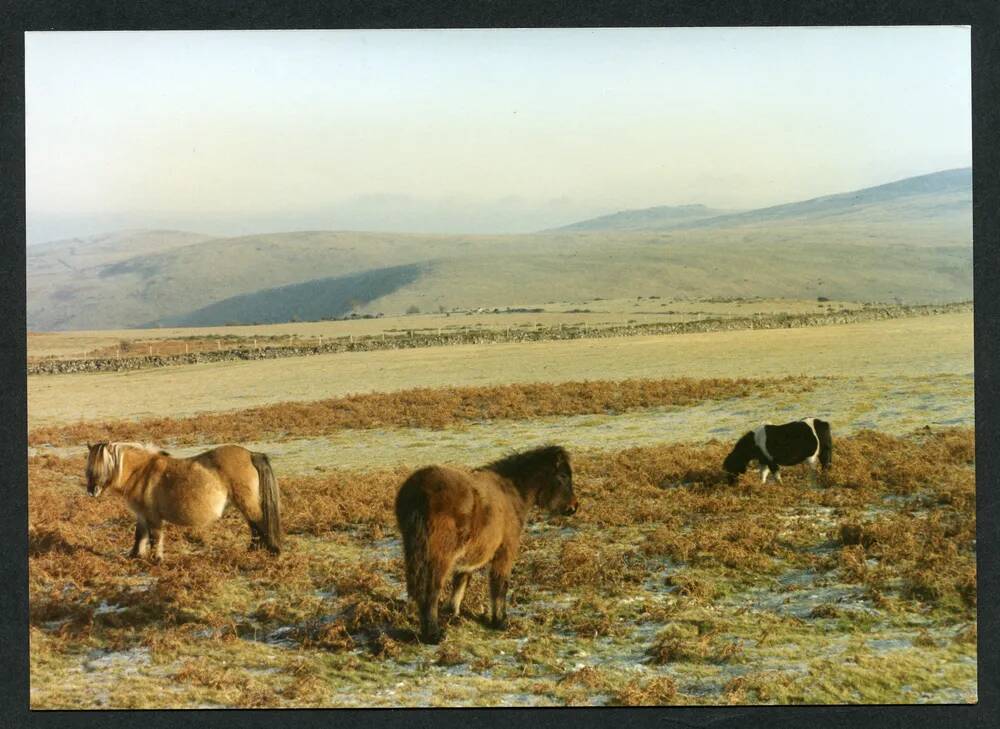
point(789, 444)
point(454, 522)
point(187, 491)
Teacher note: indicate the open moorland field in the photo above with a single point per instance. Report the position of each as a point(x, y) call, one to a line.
point(595, 313)
point(667, 587)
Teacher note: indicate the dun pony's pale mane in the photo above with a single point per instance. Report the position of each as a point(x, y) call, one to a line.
point(147, 446)
point(111, 453)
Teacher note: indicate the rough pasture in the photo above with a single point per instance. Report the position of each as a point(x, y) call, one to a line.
point(861, 590)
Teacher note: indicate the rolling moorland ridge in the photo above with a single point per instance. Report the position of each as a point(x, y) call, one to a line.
point(908, 241)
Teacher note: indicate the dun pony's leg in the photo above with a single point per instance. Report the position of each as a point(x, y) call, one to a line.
point(141, 544)
point(256, 538)
point(499, 577)
point(156, 541)
point(458, 584)
point(247, 501)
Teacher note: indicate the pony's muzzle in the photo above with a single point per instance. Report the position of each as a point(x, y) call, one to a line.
point(571, 507)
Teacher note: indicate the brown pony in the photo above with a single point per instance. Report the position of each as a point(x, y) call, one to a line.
point(187, 491)
point(454, 522)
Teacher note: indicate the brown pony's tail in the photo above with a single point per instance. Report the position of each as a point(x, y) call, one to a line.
point(270, 502)
point(412, 510)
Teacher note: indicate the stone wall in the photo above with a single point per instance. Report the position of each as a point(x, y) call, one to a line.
point(415, 339)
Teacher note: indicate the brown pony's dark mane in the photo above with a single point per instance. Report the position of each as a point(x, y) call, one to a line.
point(525, 464)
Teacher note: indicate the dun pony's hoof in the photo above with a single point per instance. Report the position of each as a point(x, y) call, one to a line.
point(500, 624)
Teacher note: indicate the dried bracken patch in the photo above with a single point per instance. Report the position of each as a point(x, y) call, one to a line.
point(760, 688)
point(675, 644)
point(418, 408)
point(659, 691)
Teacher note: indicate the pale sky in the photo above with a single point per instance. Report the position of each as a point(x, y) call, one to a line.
point(475, 131)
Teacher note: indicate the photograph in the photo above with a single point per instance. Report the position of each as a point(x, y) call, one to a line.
point(500, 367)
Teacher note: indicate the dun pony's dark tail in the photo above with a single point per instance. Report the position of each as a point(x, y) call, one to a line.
point(825, 442)
point(270, 501)
point(412, 511)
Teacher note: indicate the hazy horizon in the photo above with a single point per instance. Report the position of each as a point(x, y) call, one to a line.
point(498, 131)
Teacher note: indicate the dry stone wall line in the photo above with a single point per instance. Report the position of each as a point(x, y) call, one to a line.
point(412, 340)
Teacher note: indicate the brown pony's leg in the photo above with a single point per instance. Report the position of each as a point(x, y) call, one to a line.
point(430, 628)
point(499, 577)
point(458, 584)
point(141, 544)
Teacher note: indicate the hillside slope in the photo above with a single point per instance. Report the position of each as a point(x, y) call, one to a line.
point(310, 301)
point(937, 198)
point(663, 216)
point(908, 241)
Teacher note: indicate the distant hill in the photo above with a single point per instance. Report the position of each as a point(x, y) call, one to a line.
point(939, 194)
point(664, 216)
point(909, 240)
point(77, 254)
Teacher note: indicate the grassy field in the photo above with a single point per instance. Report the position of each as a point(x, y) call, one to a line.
point(667, 587)
point(926, 346)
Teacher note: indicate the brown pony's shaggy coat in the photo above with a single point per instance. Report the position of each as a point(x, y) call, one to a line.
point(454, 523)
point(187, 491)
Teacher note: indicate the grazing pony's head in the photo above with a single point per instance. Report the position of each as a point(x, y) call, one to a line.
point(557, 494)
point(545, 470)
point(741, 455)
point(100, 467)
point(104, 462)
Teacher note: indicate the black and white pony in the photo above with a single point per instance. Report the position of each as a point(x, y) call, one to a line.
point(789, 444)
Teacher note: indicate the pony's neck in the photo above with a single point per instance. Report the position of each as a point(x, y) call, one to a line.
point(528, 493)
point(130, 460)
point(523, 481)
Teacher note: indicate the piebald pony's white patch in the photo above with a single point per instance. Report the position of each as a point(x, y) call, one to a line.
point(814, 458)
point(760, 440)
